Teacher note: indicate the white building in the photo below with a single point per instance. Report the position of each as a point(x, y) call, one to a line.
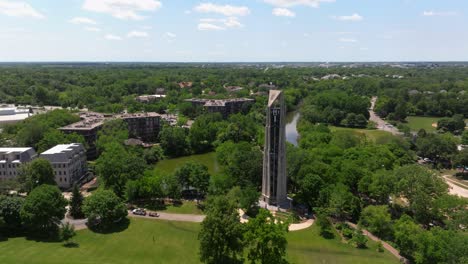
point(11, 160)
point(12, 114)
point(68, 162)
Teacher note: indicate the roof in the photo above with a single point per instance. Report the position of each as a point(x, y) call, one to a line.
point(61, 148)
point(274, 94)
point(12, 150)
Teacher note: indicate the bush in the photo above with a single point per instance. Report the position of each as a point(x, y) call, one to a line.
point(326, 228)
point(359, 239)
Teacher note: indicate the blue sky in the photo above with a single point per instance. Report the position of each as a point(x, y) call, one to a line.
point(233, 30)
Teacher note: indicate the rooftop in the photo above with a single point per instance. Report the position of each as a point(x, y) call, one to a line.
point(61, 148)
point(12, 150)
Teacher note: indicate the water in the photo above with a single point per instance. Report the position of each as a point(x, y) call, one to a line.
point(292, 135)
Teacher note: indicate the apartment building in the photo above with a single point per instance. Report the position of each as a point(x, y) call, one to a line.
point(225, 107)
point(68, 162)
point(11, 160)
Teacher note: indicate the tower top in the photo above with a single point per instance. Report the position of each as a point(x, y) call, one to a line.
point(273, 96)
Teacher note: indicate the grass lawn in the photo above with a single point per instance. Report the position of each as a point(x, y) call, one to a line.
point(307, 246)
point(420, 122)
point(174, 242)
point(378, 136)
point(208, 159)
point(187, 207)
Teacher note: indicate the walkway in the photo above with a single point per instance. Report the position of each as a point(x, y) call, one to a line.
point(455, 187)
point(381, 124)
point(387, 246)
point(292, 227)
point(172, 217)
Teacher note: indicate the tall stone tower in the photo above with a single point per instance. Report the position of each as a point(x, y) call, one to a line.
point(274, 182)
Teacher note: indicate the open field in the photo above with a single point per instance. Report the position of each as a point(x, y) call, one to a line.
point(156, 241)
point(420, 122)
point(308, 246)
point(208, 159)
point(377, 136)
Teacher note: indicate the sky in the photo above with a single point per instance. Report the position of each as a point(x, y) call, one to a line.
point(233, 30)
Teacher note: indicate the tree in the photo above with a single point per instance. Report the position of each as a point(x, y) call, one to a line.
point(36, 173)
point(113, 131)
point(242, 161)
point(406, 235)
point(153, 155)
point(221, 234)
point(67, 232)
point(103, 209)
point(174, 141)
point(309, 190)
point(461, 159)
point(377, 220)
point(116, 166)
point(456, 124)
point(266, 239)
point(43, 208)
point(465, 137)
point(342, 203)
point(10, 209)
point(204, 131)
point(193, 174)
point(76, 203)
point(436, 147)
point(326, 228)
point(359, 239)
point(246, 198)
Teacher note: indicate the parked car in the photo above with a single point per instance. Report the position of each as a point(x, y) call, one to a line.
point(139, 211)
point(153, 214)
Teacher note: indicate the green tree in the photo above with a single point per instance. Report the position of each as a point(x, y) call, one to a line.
point(76, 203)
point(465, 138)
point(221, 234)
point(36, 173)
point(10, 209)
point(406, 236)
point(377, 220)
point(67, 232)
point(174, 141)
point(359, 239)
point(326, 228)
point(103, 209)
point(116, 166)
point(266, 239)
point(43, 208)
point(113, 131)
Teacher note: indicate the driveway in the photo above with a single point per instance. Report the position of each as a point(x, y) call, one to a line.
point(172, 217)
point(454, 188)
point(381, 124)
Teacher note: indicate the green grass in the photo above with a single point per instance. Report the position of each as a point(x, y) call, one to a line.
point(208, 159)
point(420, 122)
point(174, 242)
point(187, 207)
point(374, 135)
point(307, 246)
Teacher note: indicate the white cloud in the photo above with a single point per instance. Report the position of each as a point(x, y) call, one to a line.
point(208, 26)
point(112, 37)
point(364, 49)
point(434, 13)
point(283, 12)
point(290, 3)
point(353, 17)
point(137, 34)
point(92, 29)
point(122, 9)
point(349, 40)
point(82, 20)
point(227, 10)
point(220, 24)
point(18, 9)
point(170, 35)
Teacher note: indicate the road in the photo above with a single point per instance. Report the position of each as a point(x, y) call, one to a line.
point(381, 124)
point(455, 189)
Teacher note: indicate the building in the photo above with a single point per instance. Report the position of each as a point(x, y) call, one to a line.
point(11, 114)
point(226, 107)
point(88, 127)
point(144, 126)
point(274, 181)
point(11, 160)
point(68, 162)
point(150, 98)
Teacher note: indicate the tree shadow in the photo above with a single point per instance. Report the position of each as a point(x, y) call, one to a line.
point(118, 227)
point(71, 244)
point(50, 235)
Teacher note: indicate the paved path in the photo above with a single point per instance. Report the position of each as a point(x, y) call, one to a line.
point(172, 217)
point(456, 189)
point(381, 124)
point(292, 227)
point(387, 246)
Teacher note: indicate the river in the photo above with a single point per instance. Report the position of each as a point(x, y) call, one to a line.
point(292, 135)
